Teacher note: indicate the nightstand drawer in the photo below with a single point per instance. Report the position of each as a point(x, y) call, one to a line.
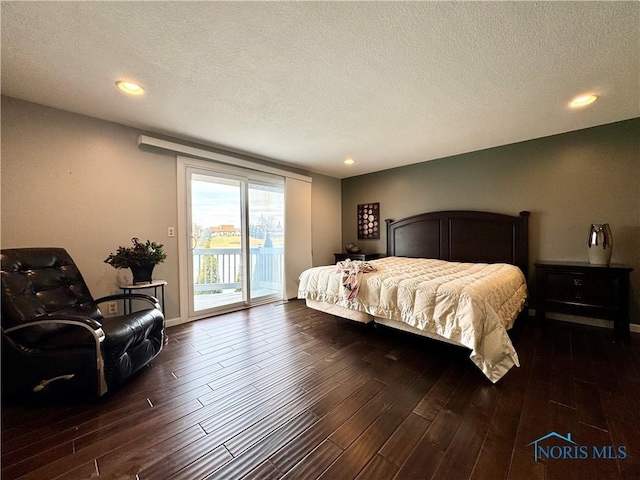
point(581, 289)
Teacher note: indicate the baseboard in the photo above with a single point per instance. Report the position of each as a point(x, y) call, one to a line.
point(594, 322)
point(172, 322)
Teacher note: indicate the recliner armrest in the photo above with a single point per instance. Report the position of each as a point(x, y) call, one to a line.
point(86, 322)
point(131, 296)
point(90, 324)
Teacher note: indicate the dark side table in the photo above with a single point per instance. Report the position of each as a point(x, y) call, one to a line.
point(577, 288)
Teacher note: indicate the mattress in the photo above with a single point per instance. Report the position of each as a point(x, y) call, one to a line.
point(469, 304)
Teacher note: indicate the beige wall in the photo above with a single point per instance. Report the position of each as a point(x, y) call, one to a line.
point(83, 184)
point(326, 211)
point(567, 182)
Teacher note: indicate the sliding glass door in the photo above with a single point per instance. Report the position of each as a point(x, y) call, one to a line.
point(236, 238)
point(266, 237)
point(217, 241)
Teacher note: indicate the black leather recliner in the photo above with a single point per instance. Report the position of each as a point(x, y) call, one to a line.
point(53, 332)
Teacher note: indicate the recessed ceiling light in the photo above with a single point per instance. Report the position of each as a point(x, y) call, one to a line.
point(583, 100)
point(349, 161)
point(130, 87)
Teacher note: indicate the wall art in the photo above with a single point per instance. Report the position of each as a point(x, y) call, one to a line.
point(369, 221)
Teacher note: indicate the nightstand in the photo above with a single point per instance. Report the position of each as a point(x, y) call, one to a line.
point(600, 291)
point(364, 257)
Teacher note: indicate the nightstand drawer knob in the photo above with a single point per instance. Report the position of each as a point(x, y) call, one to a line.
point(577, 282)
point(579, 296)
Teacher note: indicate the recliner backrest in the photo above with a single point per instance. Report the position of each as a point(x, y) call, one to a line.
point(42, 281)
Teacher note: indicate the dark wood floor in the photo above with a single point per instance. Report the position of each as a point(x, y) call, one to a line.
point(281, 391)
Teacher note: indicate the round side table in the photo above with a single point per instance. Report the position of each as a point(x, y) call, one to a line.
point(155, 284)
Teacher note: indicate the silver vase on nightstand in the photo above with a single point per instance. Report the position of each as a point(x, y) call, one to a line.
point(600, 244)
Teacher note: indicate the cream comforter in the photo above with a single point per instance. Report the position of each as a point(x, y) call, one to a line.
point(468, 303)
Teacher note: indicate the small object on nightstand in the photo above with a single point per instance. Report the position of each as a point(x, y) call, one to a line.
point(363, 257)
point(600, 244)
point(578, 288)
point(352, 248)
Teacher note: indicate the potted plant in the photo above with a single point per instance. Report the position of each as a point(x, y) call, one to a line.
point(141, 258)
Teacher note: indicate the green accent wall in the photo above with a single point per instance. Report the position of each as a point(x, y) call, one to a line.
point(566, 181)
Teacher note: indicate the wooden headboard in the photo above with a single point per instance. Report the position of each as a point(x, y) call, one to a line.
point(462, 236)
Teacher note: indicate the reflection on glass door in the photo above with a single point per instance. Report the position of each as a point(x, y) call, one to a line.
point(237, 241)
point(266, 234)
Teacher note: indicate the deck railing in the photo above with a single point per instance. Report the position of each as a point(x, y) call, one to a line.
point(219, 269)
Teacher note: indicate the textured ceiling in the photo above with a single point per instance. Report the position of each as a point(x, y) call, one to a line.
point(311, 83)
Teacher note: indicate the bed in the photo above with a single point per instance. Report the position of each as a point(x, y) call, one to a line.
point(454, 276)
